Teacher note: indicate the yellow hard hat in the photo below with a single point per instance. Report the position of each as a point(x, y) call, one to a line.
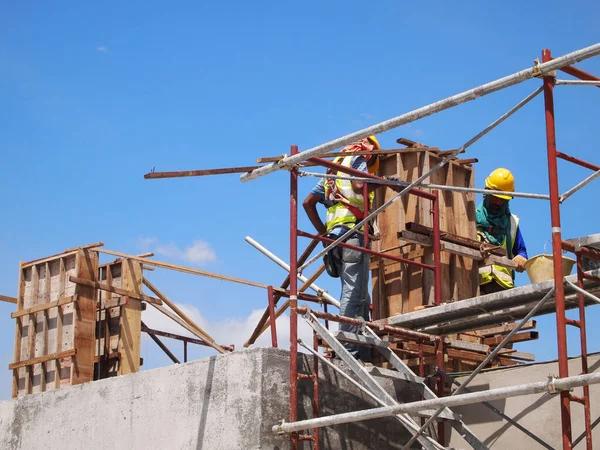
point(501, 180)
point(374, 141)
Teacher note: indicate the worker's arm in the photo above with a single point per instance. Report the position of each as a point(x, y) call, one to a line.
point(310, 206)
point(519, 251)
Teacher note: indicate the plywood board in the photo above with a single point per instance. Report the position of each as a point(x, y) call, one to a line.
point(64, 329)
point(407, 287)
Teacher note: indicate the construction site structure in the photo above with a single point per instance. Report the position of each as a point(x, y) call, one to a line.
point(78, 320)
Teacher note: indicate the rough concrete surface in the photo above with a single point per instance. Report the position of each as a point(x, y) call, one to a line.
point(232, 401)
point(224, 402)
point(539, 413)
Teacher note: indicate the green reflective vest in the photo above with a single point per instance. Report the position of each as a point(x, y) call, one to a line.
point(501, 275)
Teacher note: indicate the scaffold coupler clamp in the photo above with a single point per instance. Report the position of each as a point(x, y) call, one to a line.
point(363, 324)
point(551, 385)
point(280, 427)
point(283, 165)
point(320, 293)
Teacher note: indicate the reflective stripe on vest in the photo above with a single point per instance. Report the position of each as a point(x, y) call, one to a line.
point(501, 275)
point(339, 214)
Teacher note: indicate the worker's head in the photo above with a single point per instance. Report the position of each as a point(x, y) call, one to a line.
point(499, 180)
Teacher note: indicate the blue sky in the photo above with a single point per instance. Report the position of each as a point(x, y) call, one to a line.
point(96, 95)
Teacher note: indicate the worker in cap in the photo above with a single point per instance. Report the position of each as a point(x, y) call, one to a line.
point(345, 208)
point(497, 226)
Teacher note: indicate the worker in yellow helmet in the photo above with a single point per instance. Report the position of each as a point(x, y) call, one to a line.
point(496, 225)
point(345, 207)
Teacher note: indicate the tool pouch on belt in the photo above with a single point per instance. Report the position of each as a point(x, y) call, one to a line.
point(332, 261)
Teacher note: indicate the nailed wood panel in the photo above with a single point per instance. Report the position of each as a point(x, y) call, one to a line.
point(56, 330)
point(407, 287)
point(131, 320)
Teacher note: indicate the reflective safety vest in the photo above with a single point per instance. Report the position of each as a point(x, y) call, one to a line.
point(349, 206)
point(501, 275)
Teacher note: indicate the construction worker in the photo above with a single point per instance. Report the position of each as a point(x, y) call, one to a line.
point(345, 207)
point(497, 226)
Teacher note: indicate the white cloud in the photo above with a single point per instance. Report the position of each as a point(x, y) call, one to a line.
point(229, 331)
point(103, 49)
point(198, 253)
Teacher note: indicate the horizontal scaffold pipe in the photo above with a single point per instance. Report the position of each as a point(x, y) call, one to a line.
point(552, 385)
point(485, 89)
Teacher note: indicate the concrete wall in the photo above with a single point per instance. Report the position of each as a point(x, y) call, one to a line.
point(539, 413)
point(232, 401)
point(224, 402)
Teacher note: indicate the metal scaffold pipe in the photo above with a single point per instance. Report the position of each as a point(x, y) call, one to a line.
point(281, 263)
point(552, 386)
point(471, 94)
point(577, 82)
point(441, 187)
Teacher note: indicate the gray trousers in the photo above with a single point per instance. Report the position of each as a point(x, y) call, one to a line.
point(353, 267)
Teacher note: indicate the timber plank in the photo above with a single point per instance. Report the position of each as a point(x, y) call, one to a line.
point(42, 359)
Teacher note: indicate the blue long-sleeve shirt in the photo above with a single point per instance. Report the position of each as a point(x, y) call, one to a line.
point(519, 247)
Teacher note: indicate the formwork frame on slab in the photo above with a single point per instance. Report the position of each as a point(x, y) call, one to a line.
point(548, 82)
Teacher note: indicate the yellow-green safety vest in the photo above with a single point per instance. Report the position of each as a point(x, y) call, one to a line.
point(501, 275)
point(339, 214)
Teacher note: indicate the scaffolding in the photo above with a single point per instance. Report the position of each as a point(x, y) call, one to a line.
point(556, 295)
point(544, 71)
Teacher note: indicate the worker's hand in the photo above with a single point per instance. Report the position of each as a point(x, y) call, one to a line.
point(394, 188)
point(520, 262)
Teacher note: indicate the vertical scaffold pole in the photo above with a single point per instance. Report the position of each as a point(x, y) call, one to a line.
point(584, 358)
point(559, 293)
point(294, 298)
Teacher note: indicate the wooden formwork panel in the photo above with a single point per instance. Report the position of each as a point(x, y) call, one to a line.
point(400, 288)
point(54, 340)
point(118, 325)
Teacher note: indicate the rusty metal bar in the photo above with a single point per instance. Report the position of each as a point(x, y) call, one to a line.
point(272, 316)
point(294, 298)
point(370, 252)
point(199, 173)
point(561, 327)
point(578, 161)
point(408, 334)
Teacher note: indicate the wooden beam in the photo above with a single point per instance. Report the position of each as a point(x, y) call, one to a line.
point(477, 256)
point(131, 317)
point(505, 328)
point(115, 290)
point(456, 249)
point(178, 268)
point(271, 159)
point(453, 238)
point(67, 252)
point(6, 298)
point(41, 359)
point(519, 337)
point(178, 311)
point(44, 306)
point(466, 161)
point(185, 325)
point(199, 173)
